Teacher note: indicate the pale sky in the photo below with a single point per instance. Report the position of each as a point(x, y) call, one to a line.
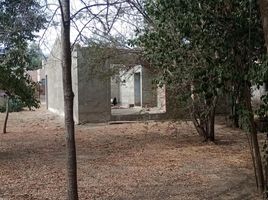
point(124, 26)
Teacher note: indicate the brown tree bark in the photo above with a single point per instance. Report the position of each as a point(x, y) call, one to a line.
point(246, 100)
point(263, 5)
point(68, 101)
point(7, 114)
point(205, 127)
point(211, 125)
point(199, 127)
point(211, 120)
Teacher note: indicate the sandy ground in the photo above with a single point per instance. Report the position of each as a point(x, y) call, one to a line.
point(158, 161)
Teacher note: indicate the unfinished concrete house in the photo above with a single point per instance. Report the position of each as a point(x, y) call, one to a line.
point(96, 80)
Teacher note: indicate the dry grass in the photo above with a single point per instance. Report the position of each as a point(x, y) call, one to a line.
point(128, 161)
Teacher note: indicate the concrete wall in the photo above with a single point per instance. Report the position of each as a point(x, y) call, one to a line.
point(94, 89)
point(127, 85)
point(127, 89)
point(115, 88)
point(149, 91)
point(53, 71)
point(92, 86)
point(75, 84)
point(41, 74)
point(33, 74)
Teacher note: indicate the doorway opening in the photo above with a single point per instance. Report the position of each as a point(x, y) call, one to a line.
point(137, 89)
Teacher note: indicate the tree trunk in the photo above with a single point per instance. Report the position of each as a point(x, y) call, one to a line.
point(211, 120)
point(236, 118)
point(205, 127)
point(211, 125)
point(68, 101)
point(263, 5)
point(266, 167)
point(199, 128)
point(7, 113)
point(253, 137)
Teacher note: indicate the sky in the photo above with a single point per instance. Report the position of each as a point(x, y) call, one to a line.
point(124, 26)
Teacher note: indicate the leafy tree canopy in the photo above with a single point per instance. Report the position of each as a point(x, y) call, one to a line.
point(201, 49)
point(20, 20)
point(35, 56)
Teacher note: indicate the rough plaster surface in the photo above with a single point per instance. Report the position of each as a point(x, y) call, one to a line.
point(115, 88)
point(94, 89)
point(53, 71)
point(92, 86)
point(127, 91)
point(149, 91)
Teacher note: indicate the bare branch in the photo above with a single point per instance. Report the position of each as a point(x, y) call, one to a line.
point(84, 26)
point(140, 9)
point(52, 18)
point(95, 5)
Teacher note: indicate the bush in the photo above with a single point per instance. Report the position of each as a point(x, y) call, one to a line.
point(15, 105)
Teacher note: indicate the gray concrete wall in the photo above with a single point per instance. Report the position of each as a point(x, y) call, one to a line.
point(149, 91)
point(115, 88)
point(53, 71)
point(127, 86)
point(75, 84)
point(94, 89)
point(92, 86)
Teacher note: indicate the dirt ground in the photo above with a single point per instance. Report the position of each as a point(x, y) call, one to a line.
point(155, 161)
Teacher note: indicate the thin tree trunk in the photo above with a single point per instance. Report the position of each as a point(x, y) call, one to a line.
point(199, 125)
point(68, 101)
point(211, 125)
point(211, 120)
point(254, 137)
point(263, 6)
point(200, 130)
point(266, 172)
point(253, 159)
point(7, 114)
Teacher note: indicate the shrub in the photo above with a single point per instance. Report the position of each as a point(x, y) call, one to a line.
point(15, 105)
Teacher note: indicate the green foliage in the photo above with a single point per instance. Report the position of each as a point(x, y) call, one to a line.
point(13, 78)
point(262, 112)
point(204, 48)
point(35, 56)
point(20, 19)
point(15, 105)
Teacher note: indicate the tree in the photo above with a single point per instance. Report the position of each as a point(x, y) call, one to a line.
point(105, 14)
point(35, 56)
point(203, 49)
point(263, 6)
point(179, 45)
point(66, 59)
point(7, 113)
point(19, 21)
